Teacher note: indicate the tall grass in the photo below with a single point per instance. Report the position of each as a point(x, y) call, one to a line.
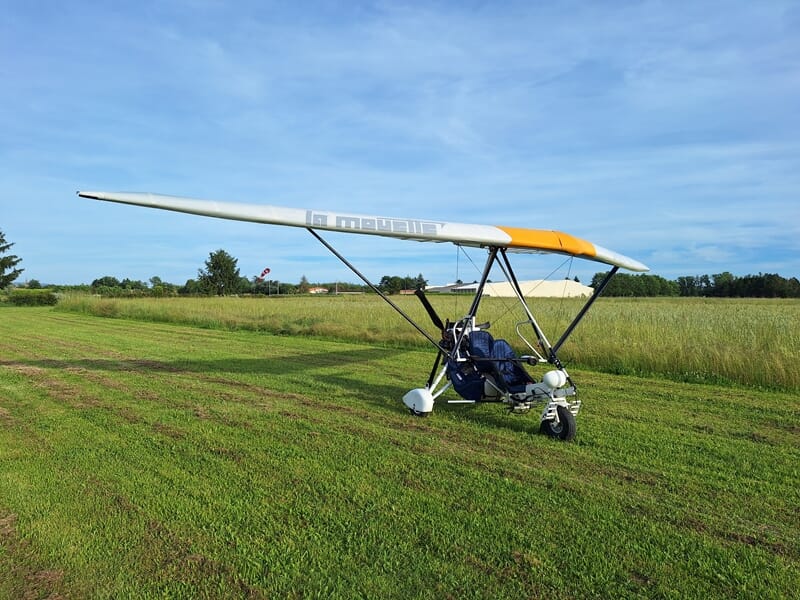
point(747, 341)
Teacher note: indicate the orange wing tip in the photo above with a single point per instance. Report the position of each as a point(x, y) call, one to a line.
point(558, 241)
point(551, 241)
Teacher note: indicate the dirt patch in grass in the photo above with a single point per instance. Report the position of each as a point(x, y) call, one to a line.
point(7, 525)
point(20, 573)
point(169, 431)
point(776, 548)
point(173, 559)
point(55, 388)
point(43, 582)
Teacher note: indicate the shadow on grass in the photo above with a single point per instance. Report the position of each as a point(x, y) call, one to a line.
point(384, 395)
point(282, 365)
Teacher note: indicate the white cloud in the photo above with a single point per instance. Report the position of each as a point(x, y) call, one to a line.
point(664, 132)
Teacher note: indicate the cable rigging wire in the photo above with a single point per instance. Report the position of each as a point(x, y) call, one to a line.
point(507, 305)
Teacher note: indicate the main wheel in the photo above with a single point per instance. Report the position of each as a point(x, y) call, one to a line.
point(565, 429)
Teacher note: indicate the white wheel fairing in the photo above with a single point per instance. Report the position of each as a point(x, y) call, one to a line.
point(419, 401)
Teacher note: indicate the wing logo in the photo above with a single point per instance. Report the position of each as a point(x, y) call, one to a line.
point(376, 224)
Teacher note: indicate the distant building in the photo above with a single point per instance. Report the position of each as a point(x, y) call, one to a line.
point(448, 288)
point(536, 288)
point(318, 290)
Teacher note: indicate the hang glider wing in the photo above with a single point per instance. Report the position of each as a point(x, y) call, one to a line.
point(513, 238)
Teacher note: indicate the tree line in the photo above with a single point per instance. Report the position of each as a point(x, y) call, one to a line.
point(721, 285)
point(221, 276)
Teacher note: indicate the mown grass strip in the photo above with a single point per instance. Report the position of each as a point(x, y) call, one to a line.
point(153, 460)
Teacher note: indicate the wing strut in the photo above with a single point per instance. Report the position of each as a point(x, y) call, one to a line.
point(377, 290)
point(585, 308)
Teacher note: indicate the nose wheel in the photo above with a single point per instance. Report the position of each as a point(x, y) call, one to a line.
point(564, 428)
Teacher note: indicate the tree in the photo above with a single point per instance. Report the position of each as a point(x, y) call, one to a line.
point(625, 284)
point(722, 284)
point(106, 281)
point(391, 284)
point(245, 287)
point(7, 263)
point(133, 285)
point(159, 287)
point(690, 285)
point(221, 275)
point(191, 288)
point(304, 286)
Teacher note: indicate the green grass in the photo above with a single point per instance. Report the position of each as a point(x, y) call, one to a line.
point(752, 342)
point(151, 460)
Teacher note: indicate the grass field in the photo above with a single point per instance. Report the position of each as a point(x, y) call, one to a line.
point(748, 341)
point(156, 460)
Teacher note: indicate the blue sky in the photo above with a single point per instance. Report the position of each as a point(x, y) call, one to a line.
point(667, 131)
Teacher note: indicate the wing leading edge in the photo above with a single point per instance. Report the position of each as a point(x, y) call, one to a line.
point(517, 239)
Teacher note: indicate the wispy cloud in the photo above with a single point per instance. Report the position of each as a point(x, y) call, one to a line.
point(667, 132)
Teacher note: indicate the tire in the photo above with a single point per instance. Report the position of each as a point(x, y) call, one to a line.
point(565, 429)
